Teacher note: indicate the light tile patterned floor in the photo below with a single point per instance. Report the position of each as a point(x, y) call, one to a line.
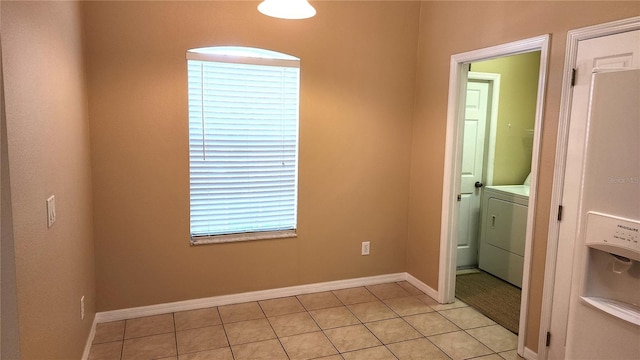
point(386, 321)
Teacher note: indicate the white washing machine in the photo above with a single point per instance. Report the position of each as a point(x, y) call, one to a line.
point(502, 231)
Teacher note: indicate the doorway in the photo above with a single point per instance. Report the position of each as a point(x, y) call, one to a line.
point(493, 213)
point(453, 164)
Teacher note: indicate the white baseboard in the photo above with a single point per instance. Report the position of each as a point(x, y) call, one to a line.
point(421, 286)
point(243, 297)
point(530, 354)
point(87, 346)
point(186, 305)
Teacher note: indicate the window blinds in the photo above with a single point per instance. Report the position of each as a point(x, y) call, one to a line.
point(243, 147)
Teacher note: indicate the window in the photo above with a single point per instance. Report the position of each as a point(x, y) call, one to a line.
point(243, 143)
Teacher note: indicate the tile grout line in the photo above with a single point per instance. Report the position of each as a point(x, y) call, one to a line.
point(465, 331)
point(320, 327)
point(434, 344)
point(323, 330)
point(124, 332)
point(419, 332)
point(224, 329)
point(471, 328)
point(365, 324)
point(406, 322)
point(175, 333)
point(429, 340)
point(274, 330)
point(371, 332)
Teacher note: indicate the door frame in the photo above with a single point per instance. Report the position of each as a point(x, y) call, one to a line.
point(573, 39)
point(453, 159)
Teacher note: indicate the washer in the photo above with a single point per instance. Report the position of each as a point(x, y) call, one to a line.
point(502, 231)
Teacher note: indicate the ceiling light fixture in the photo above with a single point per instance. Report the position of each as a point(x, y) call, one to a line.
point(287, 9)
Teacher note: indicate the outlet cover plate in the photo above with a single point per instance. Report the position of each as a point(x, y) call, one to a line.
point(366, 245)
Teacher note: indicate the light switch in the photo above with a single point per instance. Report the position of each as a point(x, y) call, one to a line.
point(51, 211)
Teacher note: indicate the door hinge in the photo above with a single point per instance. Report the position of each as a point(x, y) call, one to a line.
point(560, 213)
point(573, 77)
point(459, 197)
point(548, 341)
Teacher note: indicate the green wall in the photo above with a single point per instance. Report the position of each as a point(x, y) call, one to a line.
point(516, 114)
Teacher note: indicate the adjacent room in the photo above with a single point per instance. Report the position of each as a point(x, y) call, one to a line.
point(497, 156)
point(101, 123)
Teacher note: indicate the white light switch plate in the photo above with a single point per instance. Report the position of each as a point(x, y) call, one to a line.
point(51, 211)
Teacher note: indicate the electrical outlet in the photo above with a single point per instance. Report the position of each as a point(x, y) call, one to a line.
point(82, 308)
point(51, 211)
point(365, 247)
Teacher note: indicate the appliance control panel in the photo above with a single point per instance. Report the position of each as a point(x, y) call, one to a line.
point(613, 234)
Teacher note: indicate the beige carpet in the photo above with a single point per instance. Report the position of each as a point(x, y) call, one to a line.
point(496, 299)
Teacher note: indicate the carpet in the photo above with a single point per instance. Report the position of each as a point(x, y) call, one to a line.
point(496, 299)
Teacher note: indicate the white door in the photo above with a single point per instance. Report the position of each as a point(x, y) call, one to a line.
point(475, 126)
point(614, 51)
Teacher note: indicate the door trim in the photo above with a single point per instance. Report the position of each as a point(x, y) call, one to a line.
point(573, 38)
point(453, 158)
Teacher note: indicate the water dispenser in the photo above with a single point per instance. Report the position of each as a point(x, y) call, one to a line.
point(612, 275)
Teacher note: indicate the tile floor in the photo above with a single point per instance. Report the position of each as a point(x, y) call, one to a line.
point(386, 321)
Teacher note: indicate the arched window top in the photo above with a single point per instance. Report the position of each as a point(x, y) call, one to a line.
point(242, 51)
point(241, 54)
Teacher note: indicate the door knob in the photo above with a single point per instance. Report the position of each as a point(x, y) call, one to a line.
point(478, 184)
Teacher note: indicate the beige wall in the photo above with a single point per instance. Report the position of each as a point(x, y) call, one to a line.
point(48, 148)
point(448, 28)
point(357, 79)
point(370, 161)
point(516, 114)
point(9, 326)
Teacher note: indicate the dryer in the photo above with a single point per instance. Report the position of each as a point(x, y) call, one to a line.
point(503, 230)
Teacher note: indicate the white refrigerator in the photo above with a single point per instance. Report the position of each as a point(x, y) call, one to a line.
point(604, 310)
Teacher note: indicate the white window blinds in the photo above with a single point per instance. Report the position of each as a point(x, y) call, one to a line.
point(243, 144)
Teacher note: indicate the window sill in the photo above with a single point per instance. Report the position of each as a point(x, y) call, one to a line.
point(265, 235)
